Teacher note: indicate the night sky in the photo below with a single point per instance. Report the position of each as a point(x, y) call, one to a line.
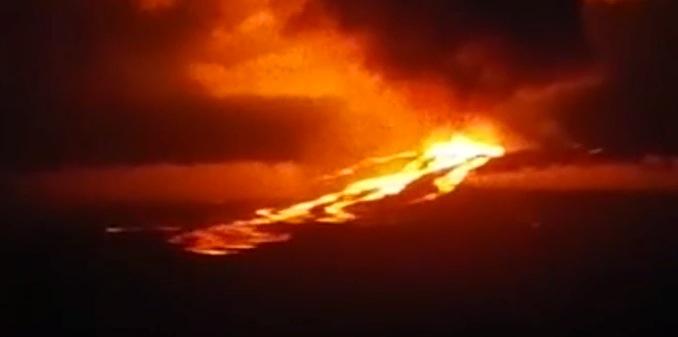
point(100, 82)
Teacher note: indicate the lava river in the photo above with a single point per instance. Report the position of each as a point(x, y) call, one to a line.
point(448, 161)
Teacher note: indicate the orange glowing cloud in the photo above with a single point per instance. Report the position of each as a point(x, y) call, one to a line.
point(260, 55)
point(184, 59)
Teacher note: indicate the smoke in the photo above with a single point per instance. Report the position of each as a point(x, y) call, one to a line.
point(101, 83)
point(511, 61)
point(149, 81)
point(598, 72)
point(482, 50)
point(170, 87)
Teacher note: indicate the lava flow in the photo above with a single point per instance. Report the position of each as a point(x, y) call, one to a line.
point(448, 161)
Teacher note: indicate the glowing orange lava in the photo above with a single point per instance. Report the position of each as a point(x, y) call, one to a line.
point(450, 161)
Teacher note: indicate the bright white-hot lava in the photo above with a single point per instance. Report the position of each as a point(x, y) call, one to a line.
point(450, 161)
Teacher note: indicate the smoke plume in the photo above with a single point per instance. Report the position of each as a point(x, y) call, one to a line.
point(156, 81)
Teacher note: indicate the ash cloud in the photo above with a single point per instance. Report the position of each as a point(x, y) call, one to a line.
point(482, 50)
point(616, 60)
point(103, 82)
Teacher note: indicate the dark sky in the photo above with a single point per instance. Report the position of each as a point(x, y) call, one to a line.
point(99, 83)
point(637, 106)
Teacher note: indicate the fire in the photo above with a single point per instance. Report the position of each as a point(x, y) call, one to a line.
point(449, 161)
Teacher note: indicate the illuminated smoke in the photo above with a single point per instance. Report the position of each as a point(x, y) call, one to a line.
point(391, 70)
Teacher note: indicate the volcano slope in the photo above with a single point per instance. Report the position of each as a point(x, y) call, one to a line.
point(487, 261)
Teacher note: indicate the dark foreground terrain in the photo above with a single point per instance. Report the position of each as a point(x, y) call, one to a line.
point(476, 262)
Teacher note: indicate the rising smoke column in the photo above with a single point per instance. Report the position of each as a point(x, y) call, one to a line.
point(511, 60)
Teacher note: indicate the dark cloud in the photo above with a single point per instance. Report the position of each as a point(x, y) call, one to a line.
point(480, 48)
point(486, 51)
point(101, 82)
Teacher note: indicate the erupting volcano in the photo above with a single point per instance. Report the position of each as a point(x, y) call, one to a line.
point(339, 167)
point(296, 50)
point(308, 50)
point(447, 163)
